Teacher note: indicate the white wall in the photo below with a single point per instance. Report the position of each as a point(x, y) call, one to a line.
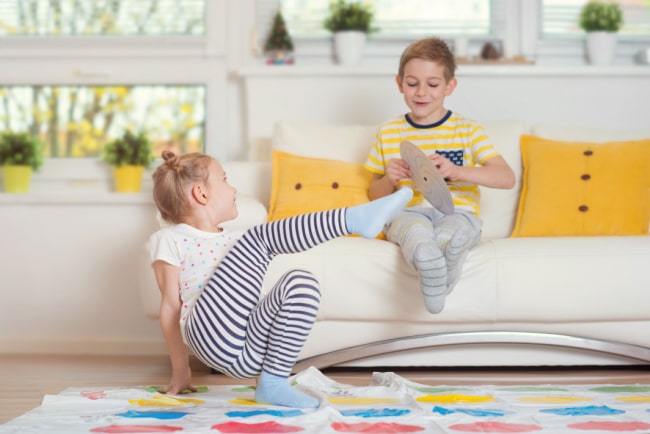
point(72, 257)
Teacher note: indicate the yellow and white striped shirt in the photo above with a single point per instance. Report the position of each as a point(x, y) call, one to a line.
point(461, 140)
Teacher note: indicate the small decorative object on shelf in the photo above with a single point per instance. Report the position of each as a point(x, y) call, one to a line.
point(20, 155)
point(350, 22)
point(601, 20)
point(129, 155)
point(279, 46)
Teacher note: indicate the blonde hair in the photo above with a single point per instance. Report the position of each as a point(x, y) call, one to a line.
point(433, 49)
point(171, 178)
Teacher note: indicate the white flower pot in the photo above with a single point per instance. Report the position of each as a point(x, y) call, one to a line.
point(348, 46)
point(601, 47)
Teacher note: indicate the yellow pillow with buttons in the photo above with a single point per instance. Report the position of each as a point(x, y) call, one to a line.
point(302, 185)
point(580, 188)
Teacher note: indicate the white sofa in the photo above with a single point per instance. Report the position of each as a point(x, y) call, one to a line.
point(520, 301)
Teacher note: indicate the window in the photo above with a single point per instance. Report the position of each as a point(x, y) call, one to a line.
point(397, 18)
point(560, 18)
point(98, 67)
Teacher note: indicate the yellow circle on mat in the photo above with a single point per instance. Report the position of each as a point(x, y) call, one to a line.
point(637, 398)
point(552, 399)
point(165, 401)
point(244, 401)
point(361, 400)
point(454, 398)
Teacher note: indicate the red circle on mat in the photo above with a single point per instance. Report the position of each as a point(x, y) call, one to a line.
point(262, 427)
point(375, 428)
point(610, 426)
point(495, 427)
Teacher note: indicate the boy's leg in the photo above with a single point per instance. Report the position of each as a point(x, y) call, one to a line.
point(413, 232)
point(456, 234)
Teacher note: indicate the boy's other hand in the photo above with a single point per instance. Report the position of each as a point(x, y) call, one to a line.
point(397, 169)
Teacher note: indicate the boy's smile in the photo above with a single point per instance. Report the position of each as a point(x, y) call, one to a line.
point(424, 88)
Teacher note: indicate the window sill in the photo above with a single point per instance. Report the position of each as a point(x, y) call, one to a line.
point(76, 198)
point(492, 69)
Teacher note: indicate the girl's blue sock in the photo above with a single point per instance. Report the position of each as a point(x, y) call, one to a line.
point(369, 219)
point(273, 389)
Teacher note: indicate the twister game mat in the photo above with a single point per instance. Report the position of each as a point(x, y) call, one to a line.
point(390, 404)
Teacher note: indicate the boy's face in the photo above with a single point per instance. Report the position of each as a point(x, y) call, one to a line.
point(424, 88)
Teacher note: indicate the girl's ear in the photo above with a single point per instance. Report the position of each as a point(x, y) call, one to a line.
point(199, 194)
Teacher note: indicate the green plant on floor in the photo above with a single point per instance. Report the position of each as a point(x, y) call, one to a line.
point(20, 149)
point(601, 16)
point(130, 149)
point(349, 16)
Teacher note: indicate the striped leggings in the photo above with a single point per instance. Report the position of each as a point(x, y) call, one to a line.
point(234, 331)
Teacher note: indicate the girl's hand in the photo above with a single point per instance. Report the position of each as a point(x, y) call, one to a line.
point(447, 169)
point(396, 170)
point(179, 383)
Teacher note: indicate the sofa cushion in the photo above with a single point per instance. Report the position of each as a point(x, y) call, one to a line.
point(302, 184)
point(583, 188)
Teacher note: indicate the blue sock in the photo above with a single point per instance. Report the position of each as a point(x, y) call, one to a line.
point(369, 219)
point(273, 389)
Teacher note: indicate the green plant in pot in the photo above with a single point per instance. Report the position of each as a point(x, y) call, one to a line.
point(601, 20)
point(129, 155)
point(20, 155)
point(350, 22)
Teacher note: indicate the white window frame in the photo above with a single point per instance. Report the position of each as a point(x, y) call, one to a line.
point(516, 21)
point(97, 61)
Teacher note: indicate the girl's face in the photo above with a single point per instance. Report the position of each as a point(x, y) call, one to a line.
point(221, 195)
point(424, 88)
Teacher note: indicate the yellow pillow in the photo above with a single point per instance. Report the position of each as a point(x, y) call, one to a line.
point(574, 188)
point(301, 185)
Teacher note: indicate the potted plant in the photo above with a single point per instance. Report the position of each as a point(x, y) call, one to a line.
point(279, 46)
point(129, 155)
point(20, 155)
point(601, 20)
point(350, 22)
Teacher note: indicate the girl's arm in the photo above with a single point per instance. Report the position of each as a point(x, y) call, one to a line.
point(170, 309)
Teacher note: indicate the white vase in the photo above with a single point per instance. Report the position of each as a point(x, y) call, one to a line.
point(348, 46)
point(601, 47)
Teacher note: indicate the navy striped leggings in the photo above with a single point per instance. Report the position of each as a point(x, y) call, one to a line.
point(231, 330)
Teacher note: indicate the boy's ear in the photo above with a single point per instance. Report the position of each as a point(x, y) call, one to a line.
point(451, 85)
point(398, 80)
point(198, 194)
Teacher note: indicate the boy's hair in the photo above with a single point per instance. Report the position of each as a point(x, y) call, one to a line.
point(171, 178)
point(434, 49)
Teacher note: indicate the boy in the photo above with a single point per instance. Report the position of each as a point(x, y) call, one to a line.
point(433, 242)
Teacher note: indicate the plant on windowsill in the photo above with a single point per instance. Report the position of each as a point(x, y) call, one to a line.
point(20, 155)
point(601, 20)
point(129, 155)
point(350, 22)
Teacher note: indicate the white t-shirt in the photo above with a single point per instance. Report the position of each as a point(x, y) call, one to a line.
point(196, 253)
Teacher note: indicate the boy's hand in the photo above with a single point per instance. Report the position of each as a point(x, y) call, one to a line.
point(447, 169)
point(397, 169)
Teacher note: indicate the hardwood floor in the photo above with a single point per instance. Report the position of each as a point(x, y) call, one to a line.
point(25, 379)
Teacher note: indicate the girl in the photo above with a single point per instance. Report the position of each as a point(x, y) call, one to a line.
point(211, 278)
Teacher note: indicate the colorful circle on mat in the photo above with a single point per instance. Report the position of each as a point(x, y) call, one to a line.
point(119, 429)
point(276, 413)
point(375, 428)
point(552, 399)
point(165, 401)
point(621, 389)
point(135, 414)
point(360, 400)
point(262, 427)
point(375, 412)
point(589, 410)
point(476, 412)
point(243, 389)
point(244, 401)
point(454, 399)
point(611, 426)
point(641, 398)
point(495, 427)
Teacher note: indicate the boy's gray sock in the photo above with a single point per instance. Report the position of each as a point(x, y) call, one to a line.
point(455, 254)
point(432, 267)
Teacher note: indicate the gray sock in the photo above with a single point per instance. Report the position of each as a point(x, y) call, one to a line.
point(432, 267)
point(455, 254)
